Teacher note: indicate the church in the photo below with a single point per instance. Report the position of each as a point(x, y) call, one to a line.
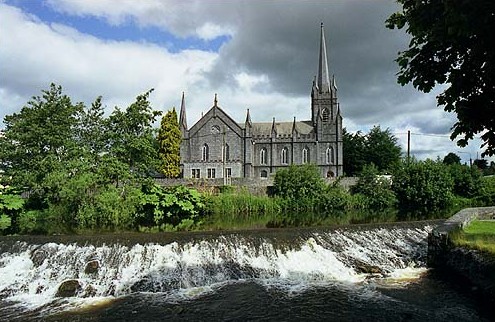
point(219, 147)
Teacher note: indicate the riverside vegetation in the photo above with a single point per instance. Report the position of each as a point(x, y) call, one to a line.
point(68, 168)
point(479, 234)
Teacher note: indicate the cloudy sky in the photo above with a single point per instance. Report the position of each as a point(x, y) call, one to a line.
point(255, 54)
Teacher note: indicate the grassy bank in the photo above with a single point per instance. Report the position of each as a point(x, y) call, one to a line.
point(480, 235)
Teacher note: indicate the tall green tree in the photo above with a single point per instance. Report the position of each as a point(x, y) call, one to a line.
point(40, 139)
point(169, 139)
point(378, 147)
point(354, 154)
point(452, 43)
point(131, 136)
point(382, 149)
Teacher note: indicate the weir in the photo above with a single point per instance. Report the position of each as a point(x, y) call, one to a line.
point(38, 274)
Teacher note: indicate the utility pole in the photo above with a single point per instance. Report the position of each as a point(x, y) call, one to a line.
point(224, 152)
point(408, 145)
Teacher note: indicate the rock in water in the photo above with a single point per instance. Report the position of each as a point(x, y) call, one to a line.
point(92, 267)
point(69, 288)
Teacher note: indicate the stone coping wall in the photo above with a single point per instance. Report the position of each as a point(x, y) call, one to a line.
point(255, 186)
point(475, 268)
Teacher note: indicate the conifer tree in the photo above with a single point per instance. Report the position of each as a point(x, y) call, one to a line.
point(169, 139)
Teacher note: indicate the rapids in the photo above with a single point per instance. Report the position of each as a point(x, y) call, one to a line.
point(192, 268)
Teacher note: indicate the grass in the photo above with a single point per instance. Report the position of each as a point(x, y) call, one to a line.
point(480, 234)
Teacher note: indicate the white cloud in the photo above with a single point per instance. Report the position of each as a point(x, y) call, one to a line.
point(265, 66)
point(210, 31)
point(34, 54)
point(179, 17)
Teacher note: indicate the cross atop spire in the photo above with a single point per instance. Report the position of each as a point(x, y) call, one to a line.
point(323, 79)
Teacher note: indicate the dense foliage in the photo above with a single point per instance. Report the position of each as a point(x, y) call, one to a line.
point(452, 43)
point(378, 147)
point(81, 170)
point(169, 139)
point(423, 185)
point(299, 182)
point(376, 189)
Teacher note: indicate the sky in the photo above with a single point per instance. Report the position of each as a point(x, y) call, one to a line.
point(256, 54)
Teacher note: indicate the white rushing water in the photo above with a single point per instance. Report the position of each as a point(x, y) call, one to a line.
point(32, 275)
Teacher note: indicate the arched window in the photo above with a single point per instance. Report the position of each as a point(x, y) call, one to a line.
point(264, 174)
point(330, 174)
point(329, 156)
point(284, 156)
point(205, 153)
point(226, 152)
point(263, 156)
point(305, 155)
point(325, 115)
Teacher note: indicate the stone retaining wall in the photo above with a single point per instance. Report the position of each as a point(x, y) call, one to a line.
point(253, 185)
point(472, 266)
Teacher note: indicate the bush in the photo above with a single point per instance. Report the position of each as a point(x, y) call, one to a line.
point(422, 186)
point(377, 190)
point(170, 208)
point(299, 182)
point(467, 180)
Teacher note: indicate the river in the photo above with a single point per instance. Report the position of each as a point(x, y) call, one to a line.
point(352, 273)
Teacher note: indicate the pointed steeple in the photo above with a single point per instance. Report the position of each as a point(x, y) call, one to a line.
point(334, 84)
point(323, 80)
point(294, 129)
point(274, 128)
point(182, 115)
point(248, 119)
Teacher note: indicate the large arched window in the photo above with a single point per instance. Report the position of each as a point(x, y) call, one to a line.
point(305, 155)
point(325, 115)
point(226, 152)
point(263, 156)
point(205, 152)
point(329, 156)
point(284, 156)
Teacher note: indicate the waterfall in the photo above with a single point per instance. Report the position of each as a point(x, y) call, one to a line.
point(32, 274)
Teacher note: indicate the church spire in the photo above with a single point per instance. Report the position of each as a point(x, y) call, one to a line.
point(248, 119)
point(182, 115)
point(323, 75)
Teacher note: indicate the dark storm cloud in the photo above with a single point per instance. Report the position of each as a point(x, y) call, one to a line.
point(281, 40)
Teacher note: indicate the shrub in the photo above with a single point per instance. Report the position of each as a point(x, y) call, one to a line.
point(422, 186)
point(170, 208)
point(299, 182)
point(377, 190)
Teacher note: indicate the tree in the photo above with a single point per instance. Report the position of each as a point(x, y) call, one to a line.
point(382, 149)
point(452, 158)
point(452, 43)
point(40, 139)
point(354, 154)
point(379, 147)
point(481, 164)
point(169, 139)
point(131, 136)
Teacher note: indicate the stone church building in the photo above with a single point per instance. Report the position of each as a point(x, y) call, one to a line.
point(219, 147)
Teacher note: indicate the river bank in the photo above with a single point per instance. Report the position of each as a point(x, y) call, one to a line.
point(473, 268)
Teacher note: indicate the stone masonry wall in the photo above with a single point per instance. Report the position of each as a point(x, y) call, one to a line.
point(473, 266)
